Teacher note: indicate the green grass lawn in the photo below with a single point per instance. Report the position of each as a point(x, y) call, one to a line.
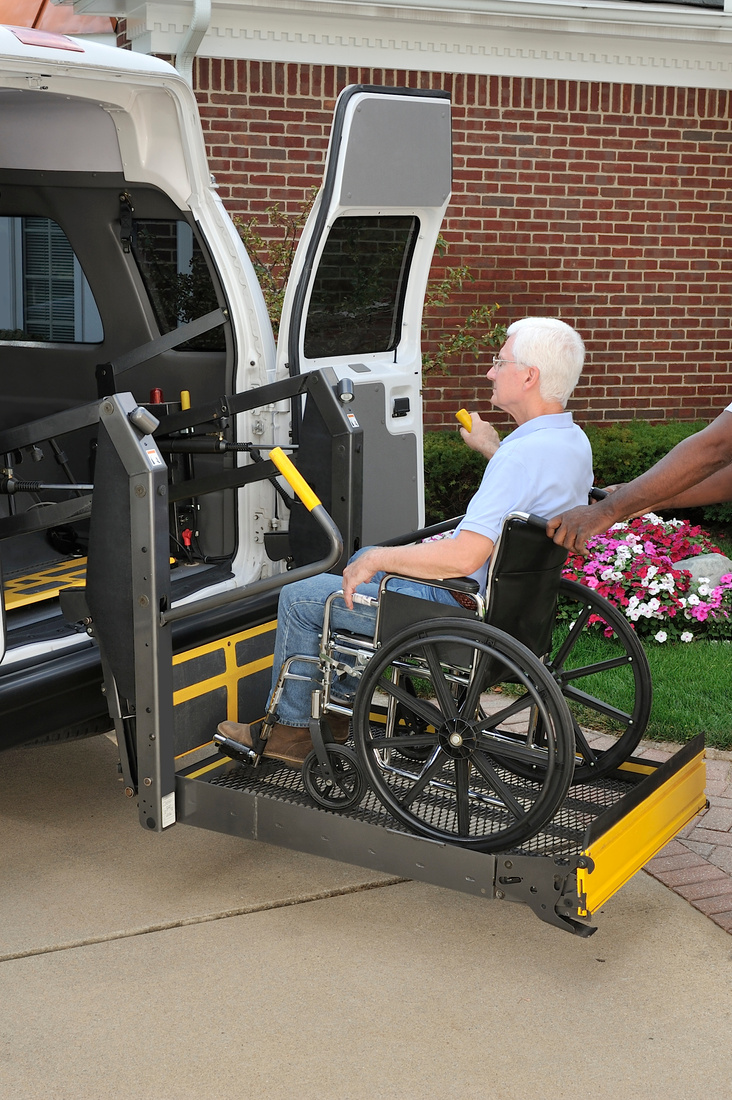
point(692, 692)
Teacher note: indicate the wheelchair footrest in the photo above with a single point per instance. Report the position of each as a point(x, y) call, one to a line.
point(234, 749)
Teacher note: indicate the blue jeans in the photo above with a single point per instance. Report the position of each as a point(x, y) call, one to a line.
point(300, 625)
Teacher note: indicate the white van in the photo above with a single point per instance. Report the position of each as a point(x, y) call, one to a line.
point(120, 270)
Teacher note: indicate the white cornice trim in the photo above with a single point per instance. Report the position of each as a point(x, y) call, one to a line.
point(595, 40)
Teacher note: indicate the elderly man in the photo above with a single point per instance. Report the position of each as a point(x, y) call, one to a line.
point(697, 471)
point(544, 465)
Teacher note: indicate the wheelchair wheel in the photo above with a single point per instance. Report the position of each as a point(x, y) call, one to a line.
point(602, 671)
point(348, 787)
point(426, 689)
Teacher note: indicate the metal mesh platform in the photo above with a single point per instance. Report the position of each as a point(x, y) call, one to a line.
point(562, 836)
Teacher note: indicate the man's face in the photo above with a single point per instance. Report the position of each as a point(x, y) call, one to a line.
point(508, 379)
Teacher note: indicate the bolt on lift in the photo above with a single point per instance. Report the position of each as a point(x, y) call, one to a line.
point(603, 831)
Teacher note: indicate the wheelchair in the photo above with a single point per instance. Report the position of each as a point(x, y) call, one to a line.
point(469, 723)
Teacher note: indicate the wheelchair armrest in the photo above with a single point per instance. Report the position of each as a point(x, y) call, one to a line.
point(458, 584)
point(423, 533)
point(467, 584)
point(452, 584)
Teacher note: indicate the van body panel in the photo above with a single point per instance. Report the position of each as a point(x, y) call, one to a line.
point(112, 240)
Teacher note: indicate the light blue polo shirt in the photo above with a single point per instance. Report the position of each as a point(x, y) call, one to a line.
point(544, 466)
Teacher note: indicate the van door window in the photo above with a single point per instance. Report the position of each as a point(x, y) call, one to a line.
point(358, 292)
point(176, 278)
point(44, 294)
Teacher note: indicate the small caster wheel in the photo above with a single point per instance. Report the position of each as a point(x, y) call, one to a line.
point(347, 787)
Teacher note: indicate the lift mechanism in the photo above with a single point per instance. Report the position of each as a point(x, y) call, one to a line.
point(602, 835)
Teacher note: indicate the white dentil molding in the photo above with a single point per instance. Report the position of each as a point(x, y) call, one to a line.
point(599, 41)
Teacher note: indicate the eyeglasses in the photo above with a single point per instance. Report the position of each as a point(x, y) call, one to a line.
point(498, 361)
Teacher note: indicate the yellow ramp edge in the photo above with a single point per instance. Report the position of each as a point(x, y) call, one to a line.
point(634, 839)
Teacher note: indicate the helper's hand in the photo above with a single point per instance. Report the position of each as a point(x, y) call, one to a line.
point(359, 571)
point(573, 528)
point(483, 437)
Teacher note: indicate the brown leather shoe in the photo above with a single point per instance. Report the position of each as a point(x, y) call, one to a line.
point(290, 744)
point(339, 726)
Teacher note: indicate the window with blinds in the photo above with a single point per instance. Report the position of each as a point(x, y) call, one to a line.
point(44, 295)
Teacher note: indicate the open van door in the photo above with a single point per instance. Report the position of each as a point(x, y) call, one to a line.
point(355, 297)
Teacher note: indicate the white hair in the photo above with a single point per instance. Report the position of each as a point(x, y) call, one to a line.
point(555, 349)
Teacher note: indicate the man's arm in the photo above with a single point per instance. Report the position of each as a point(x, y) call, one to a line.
point(429, 561)
point(689, 473)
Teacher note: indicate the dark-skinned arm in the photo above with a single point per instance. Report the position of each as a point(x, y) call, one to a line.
point(693, 473)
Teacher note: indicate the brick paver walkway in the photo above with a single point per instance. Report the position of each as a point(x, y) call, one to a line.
point(698, 863)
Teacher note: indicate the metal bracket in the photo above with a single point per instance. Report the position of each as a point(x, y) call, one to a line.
point(546, 885)
point(126, 228)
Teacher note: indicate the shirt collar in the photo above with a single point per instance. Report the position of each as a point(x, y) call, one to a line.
point(537, 423)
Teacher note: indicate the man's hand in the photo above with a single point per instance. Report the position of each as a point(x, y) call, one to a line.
point(360, 571)
point(483, 437)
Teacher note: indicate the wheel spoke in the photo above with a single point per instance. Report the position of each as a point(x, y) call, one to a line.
point(513, 750)
point(501, 788)
point(582, 744)
point(591, 670)
point(420, 708)
point(407, 740)
point(462, 796)
point(440, 683)
point(571, 640)
point(429, 771)
point(471, 702)
point(519, 704)
point(593, 703)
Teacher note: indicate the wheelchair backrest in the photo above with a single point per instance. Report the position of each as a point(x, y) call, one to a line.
point(523, 581)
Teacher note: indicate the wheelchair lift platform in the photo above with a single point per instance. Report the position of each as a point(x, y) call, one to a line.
point(604, 830)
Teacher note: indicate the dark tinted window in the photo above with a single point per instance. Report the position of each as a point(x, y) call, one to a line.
point(176, 277)
point(358, 293)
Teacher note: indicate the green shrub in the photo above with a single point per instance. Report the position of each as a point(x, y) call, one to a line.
point(620, 453)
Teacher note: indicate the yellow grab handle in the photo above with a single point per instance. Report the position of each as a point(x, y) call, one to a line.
point(185, 399)
point(465, 419)
point(294, 478)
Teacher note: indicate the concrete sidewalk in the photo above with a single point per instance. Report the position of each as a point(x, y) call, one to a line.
point(194, 965)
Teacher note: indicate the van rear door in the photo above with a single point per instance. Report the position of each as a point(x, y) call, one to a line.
point(355, 297)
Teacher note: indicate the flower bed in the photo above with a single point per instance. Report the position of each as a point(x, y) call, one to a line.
point(633, 566)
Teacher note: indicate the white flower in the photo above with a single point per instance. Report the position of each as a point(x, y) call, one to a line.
point(704, 589)
point(687, 636)
point(661, 636)
point(693, 601)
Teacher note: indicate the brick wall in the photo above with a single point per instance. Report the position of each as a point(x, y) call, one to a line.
point(607, 205)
